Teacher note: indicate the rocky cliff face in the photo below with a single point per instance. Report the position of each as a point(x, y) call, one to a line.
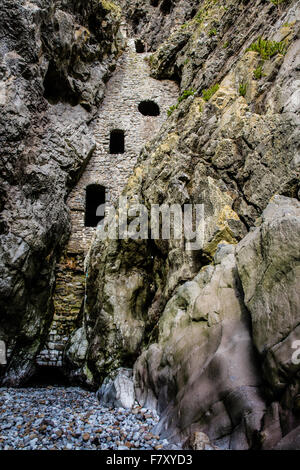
point(231, 143)
point(55, 59)
point(210, 333)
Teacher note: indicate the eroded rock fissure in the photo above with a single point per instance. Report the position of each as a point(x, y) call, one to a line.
point(208, 339)
point(134, 108)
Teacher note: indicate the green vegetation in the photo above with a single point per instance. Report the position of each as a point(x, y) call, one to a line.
point(277, 2)
point(186, 94)
point(199, 17)
point(209, 92)
point(225, 45)
point(183, 97)
point(243, 89)
point(268, 49)
point(212, 32)
point(110, 6)
point(288, 25)
point(258, 73)
point(151, 60)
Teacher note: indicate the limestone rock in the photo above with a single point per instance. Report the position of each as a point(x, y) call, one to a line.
point(209, 383)
point(117, 389)
point(290, 442)
point(51, 79)
point(199, 441)
point(230, 152)
point(210, 332)
point(152, 22)
point(269, 268)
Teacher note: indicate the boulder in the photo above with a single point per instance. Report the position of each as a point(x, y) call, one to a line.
point(199, 441)
point(117, 389)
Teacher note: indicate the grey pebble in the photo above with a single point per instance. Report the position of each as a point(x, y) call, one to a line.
point(70, 418)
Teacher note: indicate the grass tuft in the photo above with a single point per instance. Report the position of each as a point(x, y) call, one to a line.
point(209, 92)
point(268, 49)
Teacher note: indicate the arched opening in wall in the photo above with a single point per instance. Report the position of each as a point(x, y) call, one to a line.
point(57, 88)
point(94, 197)
point(139, 46)
point(149, 108)
point(46, 375)
point(117, 141)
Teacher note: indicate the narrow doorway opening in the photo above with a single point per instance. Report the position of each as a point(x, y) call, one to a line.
point(139, 46)
point(117, 141)
point(95, 197)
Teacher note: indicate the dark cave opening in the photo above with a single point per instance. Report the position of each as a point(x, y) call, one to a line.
point(94, 197)
point(149, 108)
point(139, 46)
point(154, 3)
point(57, 88)
point(48, 376)
point(117, 141)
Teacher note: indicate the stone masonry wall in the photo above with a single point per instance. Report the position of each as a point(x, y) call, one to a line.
point(130, 84)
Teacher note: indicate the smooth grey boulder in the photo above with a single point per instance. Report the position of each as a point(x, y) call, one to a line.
point(117, 389)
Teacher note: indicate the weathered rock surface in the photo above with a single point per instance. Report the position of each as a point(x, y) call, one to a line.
point(231, 151)
point(199, 441)
point(151, 22)
point(55, 58)
point(291, 441)
point(211, 333)
point(215, 368)
point(268, 261)
point(204, 356)
point(117, 389)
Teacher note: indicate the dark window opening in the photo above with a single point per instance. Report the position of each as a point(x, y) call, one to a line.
point(154, 3)
point(57, 88)
point(166, 6)
point(149, 108)
point(95, 197)
point(45, 376)
point(139, 46)
point(117, 141)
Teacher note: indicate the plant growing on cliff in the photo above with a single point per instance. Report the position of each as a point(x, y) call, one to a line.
point(268, 49)
point(209, 92)
point(110, 6)
point(183, 97)
point(243, 89)
point(258, 73)
point(277, 3)
point(212, 32)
